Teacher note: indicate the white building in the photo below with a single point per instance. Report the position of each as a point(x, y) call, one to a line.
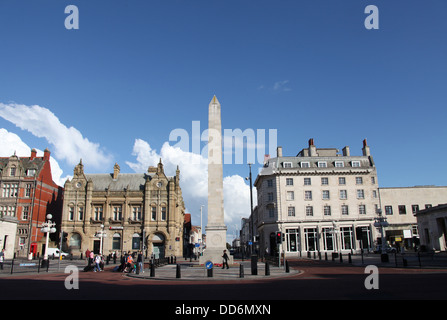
point(432, 224)
point(320, 200)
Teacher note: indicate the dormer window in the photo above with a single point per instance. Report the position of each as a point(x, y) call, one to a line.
point(355, 164)
point(12, 172)
point(31, 172)
point(322, 164)
point(305, 164)
point(287, 164)
point(339, 164)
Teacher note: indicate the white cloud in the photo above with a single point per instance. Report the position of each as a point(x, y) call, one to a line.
point(11, 143)
point(194, 182)
point(68, 144)
point(278, 86)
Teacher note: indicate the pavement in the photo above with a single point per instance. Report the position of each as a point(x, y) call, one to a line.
point(193, 271)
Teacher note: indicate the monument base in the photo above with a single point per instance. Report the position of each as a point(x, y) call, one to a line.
point(215, 245)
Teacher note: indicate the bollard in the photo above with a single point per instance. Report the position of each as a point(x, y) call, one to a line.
point(349, 258)
point(177, 274)
point(12, 266)
point(325, 256)
point(287, 267)
point(341, 257)
point(241, 271)
point(314, 255)
point(137, 269)
point(319, 255)
point(152, 270)
point(267, 269)
point(254, 265)
point(405, 262)
point(209, 273)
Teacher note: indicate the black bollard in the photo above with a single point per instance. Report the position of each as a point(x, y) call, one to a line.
point(325, 256)
point(178, 275)
point(254, 265)
point(287, 267)
point(241, 271)
point(341, 257)
point(405, 262)
point(152, 270)
point(349, 258)
point(210, 272)
point(267, 269)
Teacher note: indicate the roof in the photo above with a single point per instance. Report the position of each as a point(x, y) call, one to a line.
point(129, 181)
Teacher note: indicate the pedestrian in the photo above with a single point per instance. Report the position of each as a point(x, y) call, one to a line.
point(91, 257)
point(87, 256)
point(129, 262)
point(97, 263)
point(2, 258)
point(225, 260)
point(140, 261)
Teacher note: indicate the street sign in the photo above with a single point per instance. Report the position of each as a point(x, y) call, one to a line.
point(197, 245)
point(250, 243)
point(209, 265)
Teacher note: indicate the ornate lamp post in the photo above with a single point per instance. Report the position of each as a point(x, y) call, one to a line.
point(47, 227)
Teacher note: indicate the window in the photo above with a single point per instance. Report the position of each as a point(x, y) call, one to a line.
point(305, 164)
point(343, 194)
point(291, 211)
point(344, 210)
point(25, 213)
point(269, 183)
point(10, 190)
point(414, 208)
point(287, 165)
point(362, 209)
point(339, 164)
point(153, 213)
point(80, 213)
point(98, 213)
point(358, 180)
point(342, 181)
point(326, 195)
point(307, 195)
point(71, 213)
point(136, 213)
point(271, 212)
point(30, 172)
point(322, 164)
point(116, 242)
point(163, 213)
point(28, 189)
point(373, 180)
point(117, 213)
point(290, 195)
point(327, 210)
point(402, 209)
point(374, 194)
point(270, 196)
point(309, 211)
point(12, 172)
point(307, 181)
point(355, 164)
point(388, 210)
point(360, 194)
point(324, 181)
point(289, 181)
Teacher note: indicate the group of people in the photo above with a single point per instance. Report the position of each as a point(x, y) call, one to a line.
point(97, 260)
point(128, 263)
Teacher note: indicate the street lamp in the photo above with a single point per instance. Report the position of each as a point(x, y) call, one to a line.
point(47, 227)
point(201, 232)
point(382, 222)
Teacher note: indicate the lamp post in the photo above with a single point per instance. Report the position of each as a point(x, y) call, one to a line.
point(47, 227)
point(201, 231)
point(381, 222)
point(251, 226)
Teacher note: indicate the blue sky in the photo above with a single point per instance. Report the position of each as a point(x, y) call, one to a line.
point(136, 70)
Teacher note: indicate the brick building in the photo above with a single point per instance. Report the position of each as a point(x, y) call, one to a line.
point(28, 194)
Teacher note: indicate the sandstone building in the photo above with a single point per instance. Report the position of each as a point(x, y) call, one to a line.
point(132, 211)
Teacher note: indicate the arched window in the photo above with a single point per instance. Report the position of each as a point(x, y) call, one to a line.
point(136, 240)
point(116, 241)
point(75, 241)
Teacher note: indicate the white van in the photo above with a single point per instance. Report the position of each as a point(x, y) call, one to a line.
point(55, 251)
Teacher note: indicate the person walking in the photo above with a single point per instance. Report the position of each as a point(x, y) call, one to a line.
point(225, 260)
point(97, 263)
point(140, 261)
point(2, 258)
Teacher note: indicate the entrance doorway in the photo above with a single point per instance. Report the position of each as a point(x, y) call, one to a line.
point(158, 246)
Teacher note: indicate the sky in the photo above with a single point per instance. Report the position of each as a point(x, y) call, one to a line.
point(133, 82)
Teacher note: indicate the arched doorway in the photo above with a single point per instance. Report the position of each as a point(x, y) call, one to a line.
point(158, 246)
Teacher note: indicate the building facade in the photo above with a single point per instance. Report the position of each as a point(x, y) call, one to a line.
point(320, 200)
point(122, 212)
point(28, 194)
point(432, 224)
point(400, 206)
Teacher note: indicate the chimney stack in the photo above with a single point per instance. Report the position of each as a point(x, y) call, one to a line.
point(312, 148)
point(279, 152)
point(33, 154)
point(365, 149)
point(46, 154)
point(346, 151)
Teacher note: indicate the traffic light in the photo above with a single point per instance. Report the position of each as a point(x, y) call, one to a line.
point(278, 236)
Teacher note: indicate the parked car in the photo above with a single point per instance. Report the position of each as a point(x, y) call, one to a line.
point(55, 251)
point(388, 249)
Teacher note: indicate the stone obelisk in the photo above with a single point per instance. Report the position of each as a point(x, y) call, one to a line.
point(216, 230)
